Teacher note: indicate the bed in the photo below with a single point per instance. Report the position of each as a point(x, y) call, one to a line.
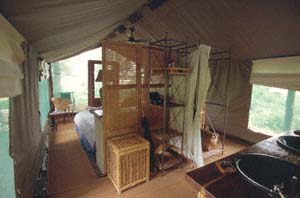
point(85, 128)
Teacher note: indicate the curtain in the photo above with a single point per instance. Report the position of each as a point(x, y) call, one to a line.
point(239, 99)
point(198, 84)
point(11, 55)
point(26, 139)
point(277, 72)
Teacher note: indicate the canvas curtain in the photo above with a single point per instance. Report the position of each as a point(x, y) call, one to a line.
point(239, 99)
point(277, 72)
point(198, 84)
point(11, 55)
point(26, 139)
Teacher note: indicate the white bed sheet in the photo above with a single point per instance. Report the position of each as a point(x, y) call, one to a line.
point(85, 124)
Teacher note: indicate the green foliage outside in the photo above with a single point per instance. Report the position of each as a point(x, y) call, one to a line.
point(7, 185)
point(4, 105)
point(44, 102)
point(267, 111)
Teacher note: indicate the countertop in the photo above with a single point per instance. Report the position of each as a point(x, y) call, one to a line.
point(211, 182)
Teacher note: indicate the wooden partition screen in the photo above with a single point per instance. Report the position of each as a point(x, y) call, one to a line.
point(126, 86)
point(125, 92)
point(120, 88)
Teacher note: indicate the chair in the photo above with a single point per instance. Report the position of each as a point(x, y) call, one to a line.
point(63, 109)
point(70, 97)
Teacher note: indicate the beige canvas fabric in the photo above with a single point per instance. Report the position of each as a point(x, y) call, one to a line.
point(63, 28)
point(200, 80)
point(26, 139)
point(253, 29)
point(193, 95)
point(238, 102)
point(58, 29)
point(277, 72)
point(11, 55)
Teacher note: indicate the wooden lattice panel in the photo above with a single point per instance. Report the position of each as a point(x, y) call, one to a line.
point(126, 86)
point(121, 111)
point(120, 88)
point(121, 65)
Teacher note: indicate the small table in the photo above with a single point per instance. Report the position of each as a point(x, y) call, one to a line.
point(57, 115)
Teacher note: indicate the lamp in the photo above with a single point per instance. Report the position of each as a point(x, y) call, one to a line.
point(99, 76)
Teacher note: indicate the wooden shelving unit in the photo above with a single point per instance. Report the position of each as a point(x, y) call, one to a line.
point(168, 105)
point(169, 134)
point(167, 160)
point(160, 64)
point(171, 70)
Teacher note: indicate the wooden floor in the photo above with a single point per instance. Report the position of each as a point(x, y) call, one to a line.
point(231, 146)
point(71, 175)
point(68, 165)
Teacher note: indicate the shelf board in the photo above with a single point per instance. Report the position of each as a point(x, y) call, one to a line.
point(170, 133)
point(128, 86)
point(171, 70)
point(208, 154)
point(169, 105)
point(158, 85)
point(168, 162)
point(118, 86)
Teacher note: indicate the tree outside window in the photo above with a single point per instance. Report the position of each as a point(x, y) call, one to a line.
point(274, 110)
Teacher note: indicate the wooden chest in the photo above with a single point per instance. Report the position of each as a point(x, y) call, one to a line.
point(128, 161)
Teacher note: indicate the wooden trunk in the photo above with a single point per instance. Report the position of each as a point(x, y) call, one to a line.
point(128, 161)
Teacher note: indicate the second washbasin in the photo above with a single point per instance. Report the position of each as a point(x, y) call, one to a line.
point(276, 177)
point(289, 142)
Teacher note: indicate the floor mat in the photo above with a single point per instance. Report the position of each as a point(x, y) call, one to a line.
point(68, 165)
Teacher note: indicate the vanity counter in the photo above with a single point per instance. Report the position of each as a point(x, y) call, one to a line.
point(212, 181)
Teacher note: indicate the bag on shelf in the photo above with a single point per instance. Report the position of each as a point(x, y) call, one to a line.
point(209, 139)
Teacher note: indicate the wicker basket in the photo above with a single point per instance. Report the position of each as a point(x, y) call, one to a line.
point(128, 161)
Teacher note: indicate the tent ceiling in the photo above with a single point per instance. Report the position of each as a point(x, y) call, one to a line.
point(62, 28)
point(253, 29)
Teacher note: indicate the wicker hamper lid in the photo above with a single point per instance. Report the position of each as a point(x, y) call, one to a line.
point(127, 142)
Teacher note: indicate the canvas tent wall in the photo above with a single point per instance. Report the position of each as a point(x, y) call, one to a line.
point(61, 29)
point(252, 29)
point(27, 140)
point(19, 81)
point(11, 55)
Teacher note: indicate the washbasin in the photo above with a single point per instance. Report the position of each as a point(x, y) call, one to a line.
point(276, 177)
point(289, 142)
